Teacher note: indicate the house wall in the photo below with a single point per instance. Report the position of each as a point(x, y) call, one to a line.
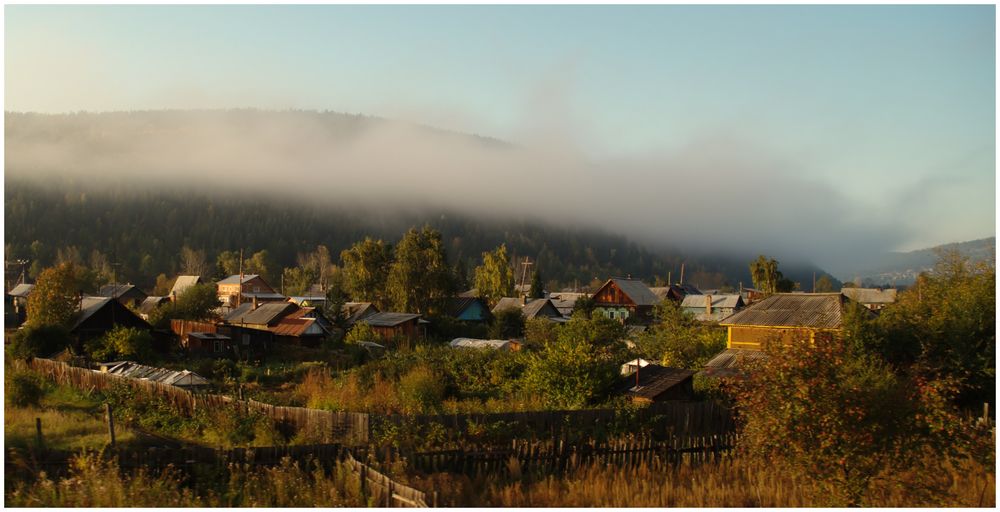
point(754, 337)
point(474, 313)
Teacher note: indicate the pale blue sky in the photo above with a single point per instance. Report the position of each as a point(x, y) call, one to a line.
point(873, 101)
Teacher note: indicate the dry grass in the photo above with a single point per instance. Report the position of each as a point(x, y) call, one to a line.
point(94, 482)
point(61, 429)
point(735, 483)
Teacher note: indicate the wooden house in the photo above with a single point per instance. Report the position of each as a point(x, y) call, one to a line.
point(181, 284)
point(127, 294)
point(872, 298)
point(469, 309)
point(16, 307)
point(530, 308)
point(233, 290)
point(566, 301)
point(785, 317)
point(98, 315)
point(712, 308)
point(391, 326)
point(626, 300)
point(150, 304)
point(655, 383)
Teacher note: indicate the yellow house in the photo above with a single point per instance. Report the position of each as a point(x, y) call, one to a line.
point(784, 316)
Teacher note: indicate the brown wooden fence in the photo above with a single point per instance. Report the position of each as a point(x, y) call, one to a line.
point(325, 426)
point(559, 455)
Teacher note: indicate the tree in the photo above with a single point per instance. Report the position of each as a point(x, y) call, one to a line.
point(297, 280)
point(495, 278)
point(678, 340)
point(163, 285)
point(122, 343)
point(333, 308)
point(196, 302)
point(540, 331)
point(507, 323)
point(824, 285)
point(584, 305)
point(262, 264)
point(54, 301)
point(420, 278)
point(228, 263)
point(361, 331)
point(537, 289)
point(767, 278)
point(317, 263)
point(366, 270)
point(194, 263)
point(834, 413)
point(580, 365)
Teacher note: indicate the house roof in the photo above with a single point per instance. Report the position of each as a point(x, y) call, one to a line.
point(457, 305)
point(636, 290)
point(810, 310)
point(654, 380)
point(135, 370)
point(89, 306)
point(473, 292)
point(731, 361)
point(530, 310)
point(871, 295)
point(150, 303)
point(679, 290)
point(208, 336)
point(183, 283)
point(718, 301)
point(264, 296)
point(265, 314)
point(389, 319)
point(235, 279)
point(21, 290)
point(477, 343)
point(299, 299)
point(116, 291)
point(356, 311)
point(293, 326)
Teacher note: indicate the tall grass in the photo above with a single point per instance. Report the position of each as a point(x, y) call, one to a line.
point(734, 483)
point(96, 482)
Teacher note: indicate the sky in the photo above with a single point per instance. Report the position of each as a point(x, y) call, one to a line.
point(875, 124)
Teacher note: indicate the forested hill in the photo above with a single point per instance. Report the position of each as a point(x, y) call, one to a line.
point(144, 230)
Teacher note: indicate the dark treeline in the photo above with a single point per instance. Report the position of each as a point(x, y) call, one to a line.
point(143, 231)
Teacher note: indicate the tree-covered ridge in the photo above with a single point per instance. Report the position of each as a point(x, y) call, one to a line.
point(144, 230)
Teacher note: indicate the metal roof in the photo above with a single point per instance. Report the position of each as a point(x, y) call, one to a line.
point(295, 327)
point(356, 311)
point(265, 314)
point(116, 291)
point(183, 283)
point(235, 279)
point(89, 306)
point(654, 380)
point(131, 369)
point(477, 343)
point(21, 290)
point(636, 290)
point(532, 309)
point(208, 336)
point(389, 319)
point(811, 310)
point(150, 303)
point(718, 301)
point(457, 305)
point(871, 295)
point(732, 361)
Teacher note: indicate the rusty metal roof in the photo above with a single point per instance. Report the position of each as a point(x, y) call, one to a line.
point(389, 319)
point(810, 310)
point(292, 326)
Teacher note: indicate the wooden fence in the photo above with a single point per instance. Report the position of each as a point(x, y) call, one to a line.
point(673, 418)
point(559, 455)
point(325, 426)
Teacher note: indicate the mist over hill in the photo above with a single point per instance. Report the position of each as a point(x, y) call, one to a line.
point(716, 203)
point(902, 268)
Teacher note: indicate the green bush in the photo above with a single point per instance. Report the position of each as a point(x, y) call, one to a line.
point(38, 341)
point(122, 343)
point(23, 389)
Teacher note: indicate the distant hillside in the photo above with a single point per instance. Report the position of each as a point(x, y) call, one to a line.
point(902, 268)
point(144, 229)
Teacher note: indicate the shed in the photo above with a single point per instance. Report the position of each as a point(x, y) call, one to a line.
point(389, 325)
point(469, 309)
point(655, 383)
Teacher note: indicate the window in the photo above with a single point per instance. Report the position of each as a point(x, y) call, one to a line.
point(218, 346)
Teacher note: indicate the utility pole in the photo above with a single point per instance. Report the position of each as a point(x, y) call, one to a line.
point(814, 282)
point(524, 271)
point(239, 295)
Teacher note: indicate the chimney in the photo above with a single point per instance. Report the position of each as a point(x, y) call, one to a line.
point(254, 302)
point(708, 304)
point(173, 296)
point(524, 300)
point(682, 273)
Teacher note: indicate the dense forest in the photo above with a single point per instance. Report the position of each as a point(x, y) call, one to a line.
point(143, 230)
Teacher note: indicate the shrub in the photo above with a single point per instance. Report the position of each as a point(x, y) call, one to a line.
point(508, 323)
point(421, 390)
point(39, 341)
point(122, 343)
point(362, 332)
point(23, 389)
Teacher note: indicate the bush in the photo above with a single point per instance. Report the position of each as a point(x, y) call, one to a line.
point(362, 332)
point(508, 323)
point(39, 341)
point(421, 391)
point(23, 389)
point(122, 343)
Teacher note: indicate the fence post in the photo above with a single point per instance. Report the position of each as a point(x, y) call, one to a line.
point(388, 494)
point(38, 432)
point(111, 423)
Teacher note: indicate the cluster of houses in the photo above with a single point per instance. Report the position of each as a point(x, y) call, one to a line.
point(253, 317)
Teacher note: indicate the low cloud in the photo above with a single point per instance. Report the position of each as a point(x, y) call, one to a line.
point(716, 194)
